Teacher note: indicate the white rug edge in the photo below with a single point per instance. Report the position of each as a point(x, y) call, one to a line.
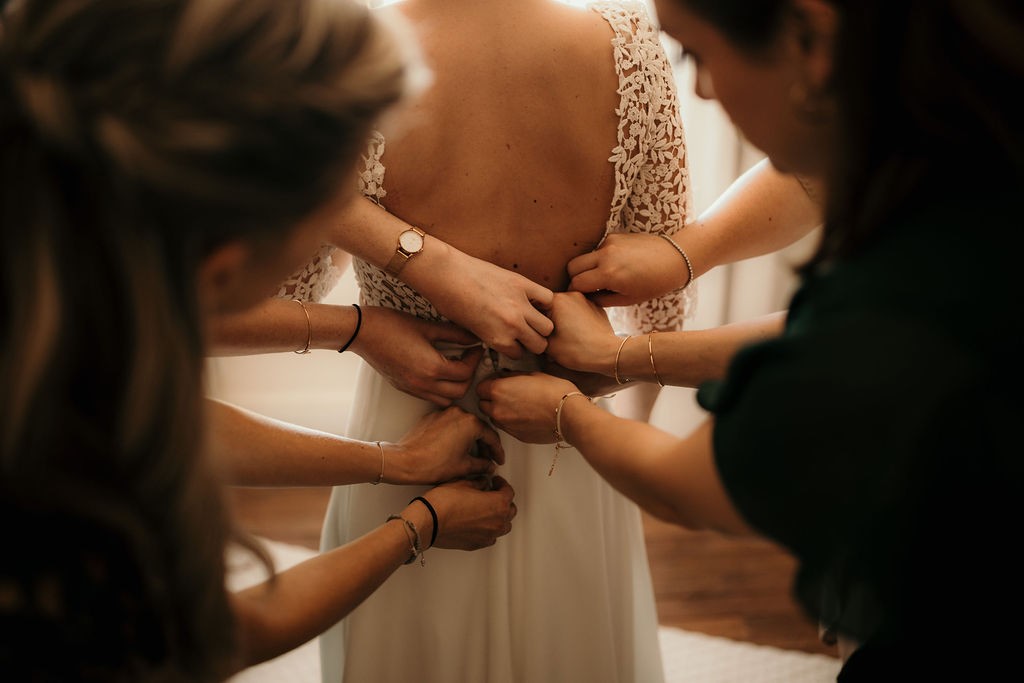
point(689, 657)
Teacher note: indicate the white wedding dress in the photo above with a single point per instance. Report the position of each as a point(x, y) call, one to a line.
point(567, 595)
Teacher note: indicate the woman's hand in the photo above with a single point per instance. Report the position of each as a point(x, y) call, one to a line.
point(628, 269)
point(402, 347)
point(499, 306)
point(447, 445)
point(583, 339)
point(524, 404)
point(472, 513)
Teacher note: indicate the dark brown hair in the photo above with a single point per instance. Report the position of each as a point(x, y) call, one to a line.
point(923, 89)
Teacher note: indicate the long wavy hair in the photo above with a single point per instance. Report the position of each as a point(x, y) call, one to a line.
point(922, 89)
point(138, 135)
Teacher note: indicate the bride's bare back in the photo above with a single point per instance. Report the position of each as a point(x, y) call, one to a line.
point(546, 127)
point(506, 155)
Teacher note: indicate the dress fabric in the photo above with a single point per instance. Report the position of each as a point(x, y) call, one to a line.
point(567, 595)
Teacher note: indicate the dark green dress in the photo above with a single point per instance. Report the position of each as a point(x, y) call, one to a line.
point(879, 439)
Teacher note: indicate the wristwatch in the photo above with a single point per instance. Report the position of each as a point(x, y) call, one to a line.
point(410, 243)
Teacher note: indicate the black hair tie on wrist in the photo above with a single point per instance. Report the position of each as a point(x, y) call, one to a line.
point(359, 323)
point(433, 515)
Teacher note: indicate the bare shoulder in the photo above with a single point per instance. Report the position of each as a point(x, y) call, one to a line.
point(582, 34)
point(584, 21)
point(594, 24)
point(602, 12)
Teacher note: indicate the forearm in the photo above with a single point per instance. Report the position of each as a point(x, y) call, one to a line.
point(280, 325)
point(368, 231)
point(254, 450)
point(761, 212)
point(304, 601)
point(672, 479)
point(690, 357)
point(371, 233)
point(498, 306)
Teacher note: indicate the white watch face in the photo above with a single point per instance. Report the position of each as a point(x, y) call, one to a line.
point(410, 241)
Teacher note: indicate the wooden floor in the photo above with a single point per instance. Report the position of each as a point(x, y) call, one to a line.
point(736, 589)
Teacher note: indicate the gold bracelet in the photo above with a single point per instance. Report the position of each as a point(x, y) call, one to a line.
point(686, 259)
point(380, 477)
point(650, 351)
point(615, 368)
point(560, 441)
point(309, 328)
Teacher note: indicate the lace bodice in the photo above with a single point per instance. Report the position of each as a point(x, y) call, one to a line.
point(652, 188)
point(652, 182)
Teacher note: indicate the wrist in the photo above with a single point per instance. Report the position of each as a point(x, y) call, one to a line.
point(359, 322)
point(609, 357)
point(597, 357)
point(621, 368)
point(417, 513)
point(434, 520)
point(400, 465)
point(681, 273)
point(356, 329)
point(573, 409)
point(421, 272)
point(378, 467)
point(407, 522)
point(636, 360)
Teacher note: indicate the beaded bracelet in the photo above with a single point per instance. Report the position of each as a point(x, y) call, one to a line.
point(414, 539)
point(686, 259)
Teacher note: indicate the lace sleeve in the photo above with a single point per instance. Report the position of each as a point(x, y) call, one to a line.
point(652, 192)
point(315, 280)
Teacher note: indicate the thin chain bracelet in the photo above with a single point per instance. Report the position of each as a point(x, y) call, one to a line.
point(380, 477)
point(560, 441)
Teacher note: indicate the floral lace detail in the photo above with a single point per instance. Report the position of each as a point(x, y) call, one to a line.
point(371, 180)
point(652, 181)
point(316, 279)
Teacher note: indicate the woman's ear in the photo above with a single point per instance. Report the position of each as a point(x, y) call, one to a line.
point(223, 283)
point(815, 24)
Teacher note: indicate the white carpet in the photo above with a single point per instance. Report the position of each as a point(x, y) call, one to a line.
point(689, 657)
